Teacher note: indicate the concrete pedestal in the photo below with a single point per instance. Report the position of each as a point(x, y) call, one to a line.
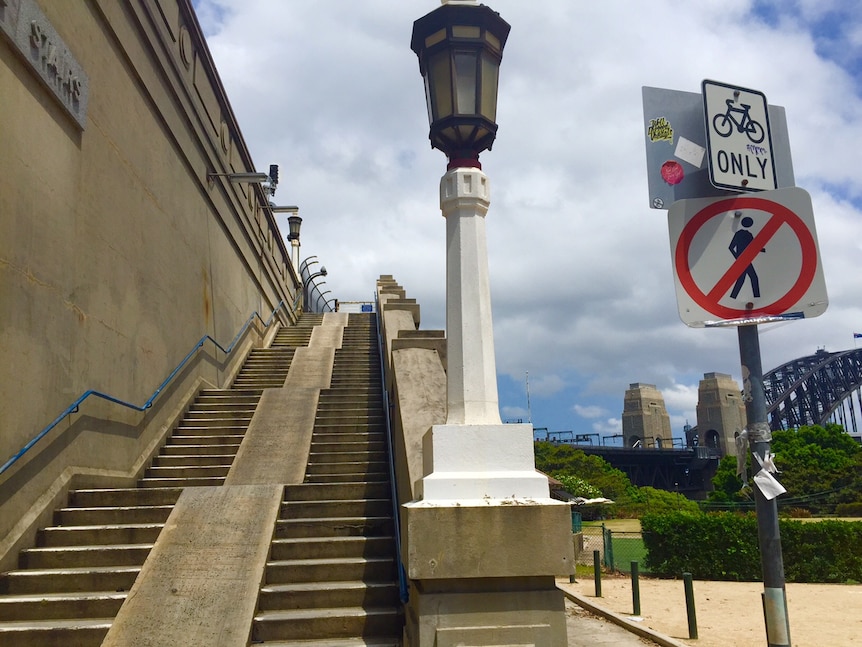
point(484, 544)
point(484, 574)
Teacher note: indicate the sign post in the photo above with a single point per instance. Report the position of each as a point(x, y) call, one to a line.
point(766, 507)
point(738, 260)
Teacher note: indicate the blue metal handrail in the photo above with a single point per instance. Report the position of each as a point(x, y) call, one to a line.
point(73, 408)
point(396, 511)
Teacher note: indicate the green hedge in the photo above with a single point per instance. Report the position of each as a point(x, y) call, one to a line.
point(849, 509)
point(723, 546)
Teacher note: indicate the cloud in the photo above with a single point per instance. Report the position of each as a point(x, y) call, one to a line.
point(590, 411)
point(580, 266)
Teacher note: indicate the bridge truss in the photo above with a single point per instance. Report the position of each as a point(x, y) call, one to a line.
point(815, 390)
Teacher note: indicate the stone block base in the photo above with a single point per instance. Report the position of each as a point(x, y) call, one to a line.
point(495, 612)
point(483, 573)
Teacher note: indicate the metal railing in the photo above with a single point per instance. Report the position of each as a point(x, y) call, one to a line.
point(73, 408)
point(314, 298)
point(396, 510)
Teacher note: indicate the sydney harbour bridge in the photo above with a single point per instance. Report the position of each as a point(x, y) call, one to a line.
point(822, 388)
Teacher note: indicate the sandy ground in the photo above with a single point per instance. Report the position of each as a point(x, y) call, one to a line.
point(730, 614)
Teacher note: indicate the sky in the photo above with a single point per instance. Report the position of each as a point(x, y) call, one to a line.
point(582, 280)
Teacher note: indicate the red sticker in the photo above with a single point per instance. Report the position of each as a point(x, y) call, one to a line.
point(672, 173)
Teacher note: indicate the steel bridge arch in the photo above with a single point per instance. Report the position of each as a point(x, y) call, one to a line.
point(815, 390)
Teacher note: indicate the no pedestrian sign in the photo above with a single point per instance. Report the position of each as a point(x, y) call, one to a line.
point(740, 259)
point(738, 138)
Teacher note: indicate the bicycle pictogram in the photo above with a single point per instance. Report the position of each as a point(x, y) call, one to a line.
point(739, 117)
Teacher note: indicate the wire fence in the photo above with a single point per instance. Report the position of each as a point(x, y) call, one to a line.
point(617, 549)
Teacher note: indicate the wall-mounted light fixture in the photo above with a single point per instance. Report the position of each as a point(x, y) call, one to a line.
point(284, 209)
point(269, 181)
point(240, 178)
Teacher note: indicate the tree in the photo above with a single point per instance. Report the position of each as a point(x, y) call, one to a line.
point(566, 460)
point(820, 466)
point(728, 487)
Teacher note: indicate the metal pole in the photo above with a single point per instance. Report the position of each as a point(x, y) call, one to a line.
point(636, 590)
point(768, 537)
point(597, 573)
point(689, 605)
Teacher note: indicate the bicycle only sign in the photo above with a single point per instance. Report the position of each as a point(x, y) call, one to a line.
point(746, 259)
point(738, 139)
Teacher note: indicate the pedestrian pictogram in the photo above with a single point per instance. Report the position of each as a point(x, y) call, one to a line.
point(741, 240)
point(746, 257)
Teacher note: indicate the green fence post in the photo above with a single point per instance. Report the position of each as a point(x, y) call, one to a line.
point(689, 605)
point(609, 547)
point(636, 590)
point(597, 573)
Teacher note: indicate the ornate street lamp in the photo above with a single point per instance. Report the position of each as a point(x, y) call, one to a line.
point(474, 466)
point(294, 223)
point(460, 46)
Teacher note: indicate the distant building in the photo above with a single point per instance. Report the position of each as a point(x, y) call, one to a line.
point(645, 419)
point(720, 414)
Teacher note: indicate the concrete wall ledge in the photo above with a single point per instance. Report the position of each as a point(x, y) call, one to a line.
point(427, 343)
point(409, 305)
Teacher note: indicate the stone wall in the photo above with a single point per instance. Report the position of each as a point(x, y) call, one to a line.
point(117, 251)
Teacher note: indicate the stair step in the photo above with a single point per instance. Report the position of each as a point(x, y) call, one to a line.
point(200, 450)
point(185, 471)
point(304, 595)
point(326, 623)
point(55, 633)
point(346, 467)
point(362, 526)
point(380, 569)
point(67, 557)
point(373, 477)
point(193, 460)
point(125, 497)
point(324, 508)
point(41, 606)
point(207, 436)
point(393, 641)
point(332, 547)
point(180, 482)
point(332, 491)
point(335, 456)
point(131, 533)
point(110, 515)
point(323, 441)
point(104, 578)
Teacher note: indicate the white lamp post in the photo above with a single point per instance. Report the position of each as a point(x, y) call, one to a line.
point(480, 509)
point(460, 46)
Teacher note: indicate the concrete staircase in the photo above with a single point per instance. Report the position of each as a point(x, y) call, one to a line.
point(70, 587)
point(266, 368)
point(332, 577)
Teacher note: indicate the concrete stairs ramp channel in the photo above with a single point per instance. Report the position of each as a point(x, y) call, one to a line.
point(180, 559)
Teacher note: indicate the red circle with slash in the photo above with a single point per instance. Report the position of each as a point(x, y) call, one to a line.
point(781, 215)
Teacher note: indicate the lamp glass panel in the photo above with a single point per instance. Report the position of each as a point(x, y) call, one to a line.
point(492, 40)
point(490, 76)
point(465, 82)
point(466, 31)
point(435, 38)
point(439, 82)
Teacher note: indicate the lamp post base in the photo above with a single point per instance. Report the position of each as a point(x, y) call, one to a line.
point(480, 463)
